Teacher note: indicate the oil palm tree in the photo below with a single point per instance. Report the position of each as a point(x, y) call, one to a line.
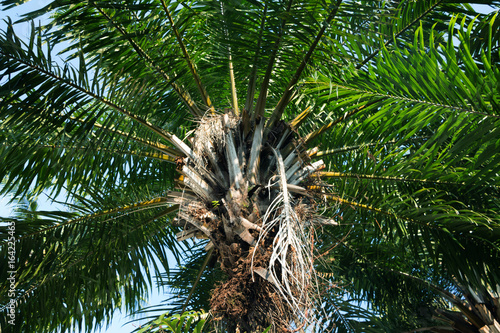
point(262, 133)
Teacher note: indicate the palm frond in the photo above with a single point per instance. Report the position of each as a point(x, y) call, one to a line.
point(95, 254)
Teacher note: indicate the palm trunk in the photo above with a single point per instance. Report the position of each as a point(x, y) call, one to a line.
point(241, 190)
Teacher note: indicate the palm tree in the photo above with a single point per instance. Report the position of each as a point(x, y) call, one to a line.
point(264, 133)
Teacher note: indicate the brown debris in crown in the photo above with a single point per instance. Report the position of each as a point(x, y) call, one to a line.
point(244, 219)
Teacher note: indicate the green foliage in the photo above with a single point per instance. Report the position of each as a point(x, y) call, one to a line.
point(404, 97)
point(176, 323)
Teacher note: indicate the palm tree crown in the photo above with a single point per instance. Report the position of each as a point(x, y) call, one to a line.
point(302, 159)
